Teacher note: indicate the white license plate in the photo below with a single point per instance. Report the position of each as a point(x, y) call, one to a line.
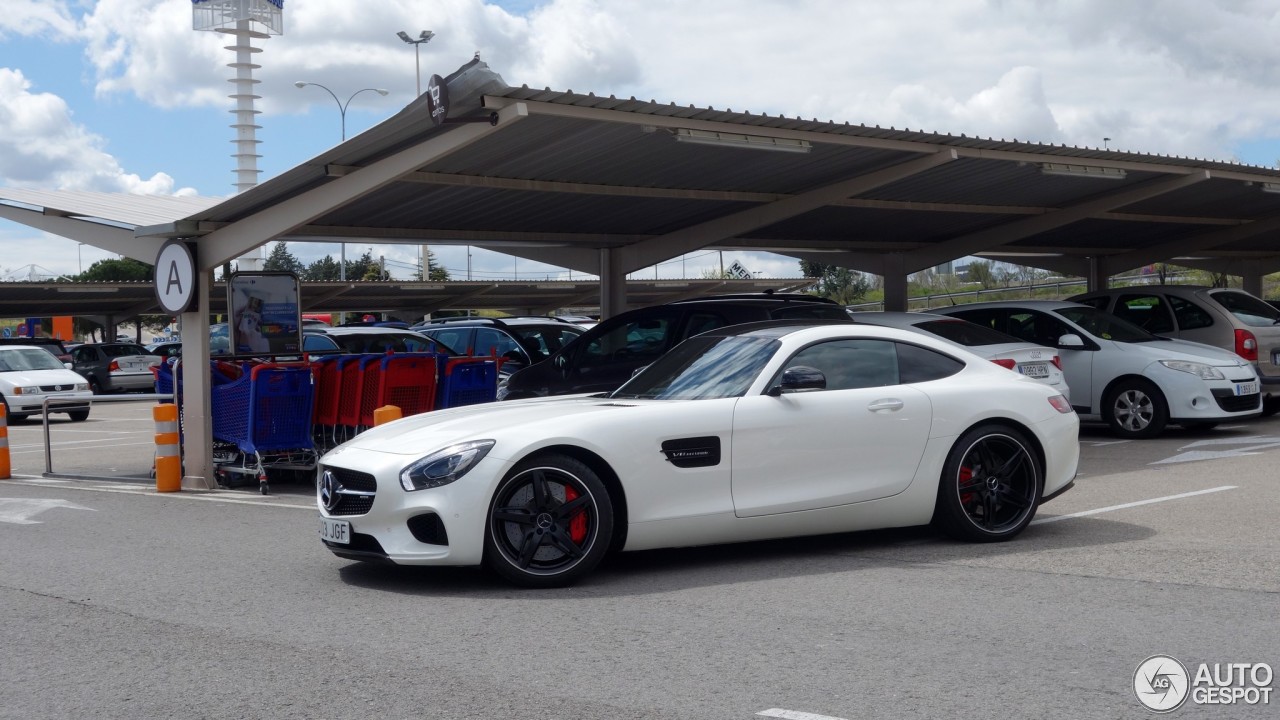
point(1249, 388)
point(1035, 370)
point(335, 531)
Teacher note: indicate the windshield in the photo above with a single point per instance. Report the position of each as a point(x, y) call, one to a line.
point(702, 368)
point(28, 359)
point(1106, 326)
point(963, 332)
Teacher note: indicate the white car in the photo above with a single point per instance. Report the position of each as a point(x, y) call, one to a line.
point(764, 430)
point(1121, 374)
point(1037, 362)
point(29, 374)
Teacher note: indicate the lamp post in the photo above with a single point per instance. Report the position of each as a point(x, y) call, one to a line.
point(423, 37)
point(342, 107)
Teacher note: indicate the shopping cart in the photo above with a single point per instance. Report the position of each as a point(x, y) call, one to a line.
point(263, 420)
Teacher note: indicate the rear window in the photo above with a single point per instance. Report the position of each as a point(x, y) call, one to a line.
point(123, 350)
point(963, 332)
point(1247, 308)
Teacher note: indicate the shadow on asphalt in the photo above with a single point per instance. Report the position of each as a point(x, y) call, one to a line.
point(662, 571)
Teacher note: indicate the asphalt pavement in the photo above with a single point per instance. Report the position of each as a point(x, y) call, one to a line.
point(124, 603)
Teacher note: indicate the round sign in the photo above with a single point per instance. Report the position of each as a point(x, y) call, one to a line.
point(175, 277)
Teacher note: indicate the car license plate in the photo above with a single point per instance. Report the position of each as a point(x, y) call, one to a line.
point(335, 531)
point(1249, 388)
point(1034, 370)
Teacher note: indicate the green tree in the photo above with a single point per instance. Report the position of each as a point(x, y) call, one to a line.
point(281, 259)
point(438, 272)
point(324, 269)
point(981, 272)
point(840, 284)
point(124, 269)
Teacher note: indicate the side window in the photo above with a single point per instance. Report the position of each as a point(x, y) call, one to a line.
point(917, 364)
point(1190, 316)
point(849, 364)
point(1037, 327)
point(489, 340)
point(700, 322)
point(637, 340)
point(457, 338)
point(81, 355)
point(1148, 312)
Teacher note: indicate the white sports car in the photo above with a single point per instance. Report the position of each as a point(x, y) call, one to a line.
point(765, 430)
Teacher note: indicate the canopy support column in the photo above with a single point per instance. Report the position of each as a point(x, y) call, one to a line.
point(197, 418)
point(895, 283)
point(613, 284)
point(1252, 284)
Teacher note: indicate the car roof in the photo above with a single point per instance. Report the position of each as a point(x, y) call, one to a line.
point(515, 321)
point(771, 298)
point(771, 328)
point(1038, 304)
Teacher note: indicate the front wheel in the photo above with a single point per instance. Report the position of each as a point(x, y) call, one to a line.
point(990, 486)
point(1135, 409)
point(78, 415)
point(549, 523)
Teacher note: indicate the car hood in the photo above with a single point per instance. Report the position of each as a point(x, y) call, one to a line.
point(1184, 350)
point(418, 433)
point(42, 377)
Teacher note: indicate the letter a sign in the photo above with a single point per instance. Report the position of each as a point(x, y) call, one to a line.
point(175, 277)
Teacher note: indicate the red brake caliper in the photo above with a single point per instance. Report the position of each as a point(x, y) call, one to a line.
point(578, 525)
point(966, 474)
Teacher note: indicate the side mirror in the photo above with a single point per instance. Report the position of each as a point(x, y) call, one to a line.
point(1071, 341)
point(66, 365)
point(800, 378)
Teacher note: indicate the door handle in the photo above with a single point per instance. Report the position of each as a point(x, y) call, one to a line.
point(889, 404)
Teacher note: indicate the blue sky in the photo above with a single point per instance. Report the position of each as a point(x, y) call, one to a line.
point(121, 95)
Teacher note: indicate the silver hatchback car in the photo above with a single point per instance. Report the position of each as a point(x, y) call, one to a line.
point(1223, 317)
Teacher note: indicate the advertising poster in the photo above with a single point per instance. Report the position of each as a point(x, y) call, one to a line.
point(266, 316)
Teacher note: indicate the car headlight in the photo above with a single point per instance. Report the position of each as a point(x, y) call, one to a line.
point(82, 386)
point(1200, 370)
point(444, 466)
point(28, 390)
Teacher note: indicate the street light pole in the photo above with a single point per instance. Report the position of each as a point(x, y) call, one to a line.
point(342, 107)
point(423, 37)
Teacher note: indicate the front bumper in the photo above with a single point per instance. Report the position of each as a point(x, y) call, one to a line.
point(58, 402)
point(438, 526)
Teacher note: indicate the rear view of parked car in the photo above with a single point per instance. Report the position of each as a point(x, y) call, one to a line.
point(1223, 317)
point(115, 367)
point(1037, 362)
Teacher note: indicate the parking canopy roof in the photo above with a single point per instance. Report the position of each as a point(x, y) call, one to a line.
point(607, 185)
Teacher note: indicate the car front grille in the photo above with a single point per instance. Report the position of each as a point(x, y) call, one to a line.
point(353, 481)
point(1230, 402)
point(57, 388)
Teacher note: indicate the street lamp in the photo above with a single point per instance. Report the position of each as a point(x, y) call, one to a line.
point(342, 107)
point(423, 37)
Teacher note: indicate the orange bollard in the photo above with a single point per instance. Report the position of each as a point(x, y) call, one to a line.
point(168, 450)
point(4, 442)
point(386, 414)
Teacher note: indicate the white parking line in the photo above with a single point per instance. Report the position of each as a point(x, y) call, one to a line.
point(1083, 513)
point(296, 502)
point(795, 715)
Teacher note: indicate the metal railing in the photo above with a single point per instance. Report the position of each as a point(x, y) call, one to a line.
point(66, 402)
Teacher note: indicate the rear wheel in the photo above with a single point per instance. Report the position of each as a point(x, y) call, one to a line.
point(549, 523)
point(990, 486)
point(1135, 409)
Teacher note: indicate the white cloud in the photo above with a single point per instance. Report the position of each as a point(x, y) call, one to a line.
point(42, 146)
point(47, 18)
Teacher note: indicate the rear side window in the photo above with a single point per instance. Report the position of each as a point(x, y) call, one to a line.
point(1247, 308)
point(641, 339)
point(917, 364)
point(1190, 316)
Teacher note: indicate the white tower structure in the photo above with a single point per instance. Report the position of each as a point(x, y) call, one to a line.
point(245, 21)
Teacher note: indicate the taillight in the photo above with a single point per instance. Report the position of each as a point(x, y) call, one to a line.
point(1246, 345)
point(1060, 403)
point(1057, 362)
point(113, 367)
point(1005, 363)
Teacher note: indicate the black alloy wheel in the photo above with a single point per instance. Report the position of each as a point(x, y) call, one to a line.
point(549, 523)
point(990, 487)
